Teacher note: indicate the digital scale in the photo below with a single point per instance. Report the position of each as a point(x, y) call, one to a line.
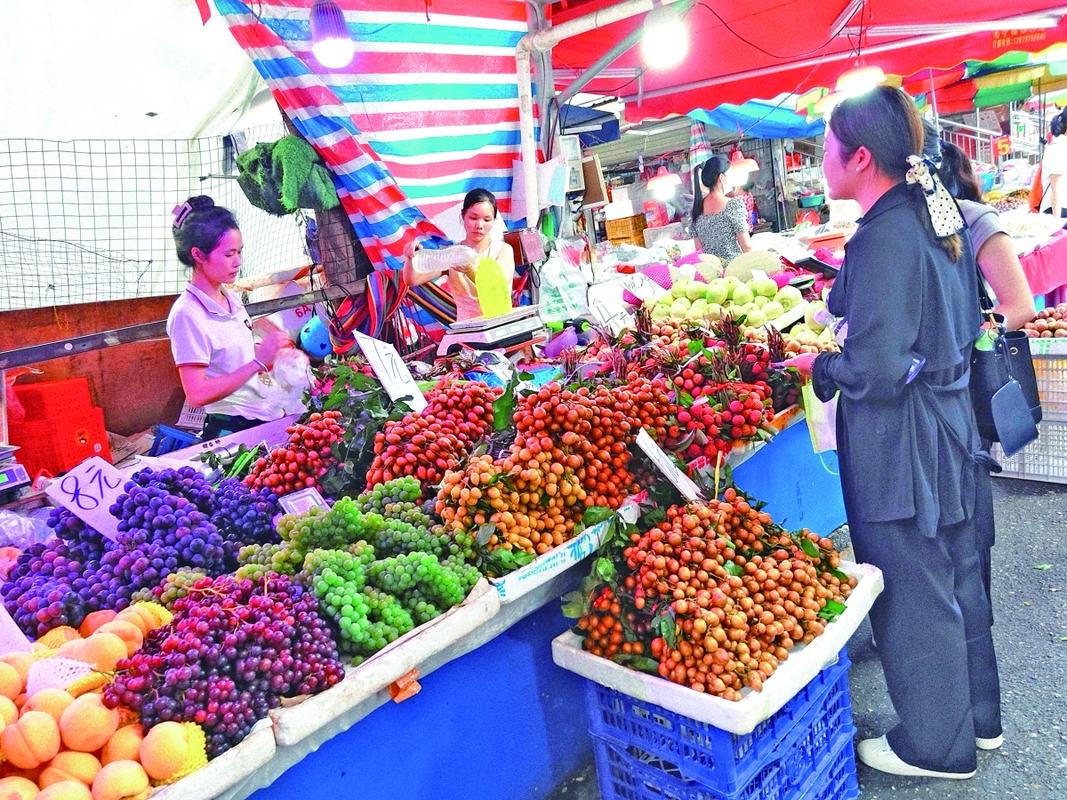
point(517, 327)
point(13, 475)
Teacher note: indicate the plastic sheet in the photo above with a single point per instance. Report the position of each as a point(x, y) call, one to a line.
point(743, 716)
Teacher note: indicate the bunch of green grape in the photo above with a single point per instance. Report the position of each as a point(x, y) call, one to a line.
point(399, 490)
point(175, 586)
point(415, 577)
point(256, 560)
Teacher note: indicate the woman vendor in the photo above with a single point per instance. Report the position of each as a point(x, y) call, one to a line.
point(219, 362)
point(720, 223)
point(479, 214)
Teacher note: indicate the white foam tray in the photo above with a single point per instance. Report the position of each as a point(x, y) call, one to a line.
point(545, 567)
point(295, 723)
point(226, 771)
point(740, 717)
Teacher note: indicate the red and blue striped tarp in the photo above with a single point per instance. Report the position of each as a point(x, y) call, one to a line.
point(427, 110)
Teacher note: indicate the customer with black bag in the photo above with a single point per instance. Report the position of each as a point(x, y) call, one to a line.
point(907, 440)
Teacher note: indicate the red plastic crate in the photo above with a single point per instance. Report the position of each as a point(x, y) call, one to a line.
point(49, 400)
point(58, 444)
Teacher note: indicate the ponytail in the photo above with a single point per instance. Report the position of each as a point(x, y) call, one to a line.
point(708, 175)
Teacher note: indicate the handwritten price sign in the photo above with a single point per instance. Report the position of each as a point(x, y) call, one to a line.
point(88, 491)
point(391, 370)
point(612, 316)
point(664, 464)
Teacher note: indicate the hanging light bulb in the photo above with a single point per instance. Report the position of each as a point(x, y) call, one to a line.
point(330, 40)
point(859, 80)
point(665, 41)
point(664, 184)
point(739, 162)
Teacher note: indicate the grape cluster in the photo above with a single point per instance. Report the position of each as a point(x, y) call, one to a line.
point(423, 584)
point(187, 482)
point(172, 588)
point(244, 516)
point(398, 490)
point(234, 649)
point(256, 560)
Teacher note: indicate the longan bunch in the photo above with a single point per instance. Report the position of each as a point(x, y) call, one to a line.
point(742, 591)
point(602, 625)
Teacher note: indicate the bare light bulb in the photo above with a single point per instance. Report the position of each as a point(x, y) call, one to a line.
point(665, 41)
point(330, 40)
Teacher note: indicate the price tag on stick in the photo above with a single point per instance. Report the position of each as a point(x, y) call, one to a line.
point(88, 491)
point(391, 370)
point(665, 465)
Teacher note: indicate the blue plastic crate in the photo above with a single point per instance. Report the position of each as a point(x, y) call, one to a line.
point(625, 775)
point(169, 439)
point(717, 758)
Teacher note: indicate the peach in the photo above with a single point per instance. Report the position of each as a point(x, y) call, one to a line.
point(30, 741)
point(70, 766)
point(59, 636)
point(87, 724)
point(17, 789)
point(94, 620)
point(50, 701)
point(127, 631)
point(20, 660)
point(66, 790)
point(121, 780)
point(139, 616)
point(124, 744)
point(102, 650)
point(11, 682)
point(164, 750)
point(9, 712)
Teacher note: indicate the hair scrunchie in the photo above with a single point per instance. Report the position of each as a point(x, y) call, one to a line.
point(945, 215)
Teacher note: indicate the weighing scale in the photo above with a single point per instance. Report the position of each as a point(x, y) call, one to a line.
point(517, 327)
point(13, 475)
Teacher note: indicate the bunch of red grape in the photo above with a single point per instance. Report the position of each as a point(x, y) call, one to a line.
point(302, 461)
point(233, 651)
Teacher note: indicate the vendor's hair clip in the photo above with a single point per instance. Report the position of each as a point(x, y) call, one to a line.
point(180, 214)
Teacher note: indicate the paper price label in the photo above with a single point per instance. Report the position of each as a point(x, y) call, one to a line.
point(643, 287)
point(665, 465)
point(391, 371)
point(302, 501)
point(88, 491)
point(615, 319)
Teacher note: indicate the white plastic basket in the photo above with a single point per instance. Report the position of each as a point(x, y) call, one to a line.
point(1050, 366)
point(191, 419)
point(1044, 459)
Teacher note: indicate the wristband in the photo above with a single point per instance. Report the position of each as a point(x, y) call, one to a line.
point(265, 367)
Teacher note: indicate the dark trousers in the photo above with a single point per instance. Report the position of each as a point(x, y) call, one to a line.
point(933, 628)
point(217, 425)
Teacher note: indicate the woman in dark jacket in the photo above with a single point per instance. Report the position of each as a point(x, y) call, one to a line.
point(907, 440)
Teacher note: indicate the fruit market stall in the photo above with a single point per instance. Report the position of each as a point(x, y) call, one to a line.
point(226, 644)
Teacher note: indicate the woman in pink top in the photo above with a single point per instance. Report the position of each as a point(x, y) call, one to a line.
point(479, 215)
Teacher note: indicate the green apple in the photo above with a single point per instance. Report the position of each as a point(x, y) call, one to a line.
point(761, 285)
point(809, 315)
point(660, 312)
point(717, 291)
point(698, 308)
point(789, 297)
point(741, 294)
point(773, 310)
point(755, 318)
point(714, 312)
point(759, 301)
point(695, 291)
point(732, 282)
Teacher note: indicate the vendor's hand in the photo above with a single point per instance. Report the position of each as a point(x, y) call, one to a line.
point(465, 269)
point(268, 348)
point(801, 363)
point(410, 248)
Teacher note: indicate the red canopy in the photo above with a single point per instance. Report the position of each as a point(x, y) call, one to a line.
point(762, 48)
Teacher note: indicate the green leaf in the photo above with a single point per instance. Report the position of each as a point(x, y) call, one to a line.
point(666, 627)
point(733, 568)
point(841, 576)
point(1042, 567)
point(832, 610)
point(695, 346)
point(594, 515)
point(637, 662)
point(605, 569)
point(574, 604)
point(504, 406)
point(685, 400)
point(810, 548)
point(485, 532)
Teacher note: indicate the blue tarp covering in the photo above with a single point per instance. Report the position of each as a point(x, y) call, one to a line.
point(759, 120)
point(582, 117)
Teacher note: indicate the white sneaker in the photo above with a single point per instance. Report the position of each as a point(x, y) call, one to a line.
point(877, 753)
point(989, 744)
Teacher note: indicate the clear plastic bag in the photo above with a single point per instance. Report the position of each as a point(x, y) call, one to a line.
point(22, 530)
point(430, 262)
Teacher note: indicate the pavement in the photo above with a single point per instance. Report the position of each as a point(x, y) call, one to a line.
point(1030, 633)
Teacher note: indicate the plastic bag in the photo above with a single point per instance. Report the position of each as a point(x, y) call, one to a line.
point(821, 418)
point(22, 530)
point(290, 376)
point(563, 292)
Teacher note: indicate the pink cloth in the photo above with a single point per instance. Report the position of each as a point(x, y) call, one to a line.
point(1046, 267)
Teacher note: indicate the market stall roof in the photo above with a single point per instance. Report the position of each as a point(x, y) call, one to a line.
point(761, 119)
point(753, 48)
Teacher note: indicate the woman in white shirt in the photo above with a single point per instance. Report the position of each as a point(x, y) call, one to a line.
point(1054, 169)
point(210, 332)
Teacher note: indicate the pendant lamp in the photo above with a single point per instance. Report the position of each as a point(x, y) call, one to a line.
point(859, 80)
point(330, 40)
point(739, 162)
point(664, 184)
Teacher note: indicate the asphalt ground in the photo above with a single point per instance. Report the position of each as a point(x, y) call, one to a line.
point(1030, 632)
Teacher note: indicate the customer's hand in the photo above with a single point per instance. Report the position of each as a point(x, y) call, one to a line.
point(802, 363)
point(467, 269)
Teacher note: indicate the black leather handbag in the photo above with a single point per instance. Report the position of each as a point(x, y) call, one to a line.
point(1004, 393)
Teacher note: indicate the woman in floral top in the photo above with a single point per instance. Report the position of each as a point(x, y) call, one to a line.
point(719, 222)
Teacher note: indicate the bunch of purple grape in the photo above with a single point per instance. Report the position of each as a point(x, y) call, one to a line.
point(185, 482)
point(244, 516)
point(233, 651)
